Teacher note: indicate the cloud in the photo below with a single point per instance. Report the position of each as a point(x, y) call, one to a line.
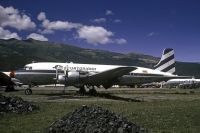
point(56, 25)
point(95, 34)
point(6, 34)
point(109, 12)
point(11, 17)
point(37, 37)
point(120, 41)
point(41, 16)
point(45, 31)
point(60, 25)
point(117, 21)
point(91, 34)
point(99, 20)
point(152, 34)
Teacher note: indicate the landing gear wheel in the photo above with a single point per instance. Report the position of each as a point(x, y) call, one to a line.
point(63, 91)
point(82, 90)
point(92, 92)
point(28, 91)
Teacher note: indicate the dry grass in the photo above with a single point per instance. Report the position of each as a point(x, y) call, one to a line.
point(178, 112)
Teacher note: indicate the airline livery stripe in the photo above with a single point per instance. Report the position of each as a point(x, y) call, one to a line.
point(168, 50)
point(167, 55)
point(24, 73)
point(169, 68)
point(169, 63)
point(163, 62)
point(39, 71)
point(164, 57)
point(172, 70)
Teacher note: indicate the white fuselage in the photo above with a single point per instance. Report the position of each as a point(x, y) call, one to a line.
point(91, 68)
point(182, 81)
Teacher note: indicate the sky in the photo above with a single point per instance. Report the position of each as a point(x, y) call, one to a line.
point(123, 26)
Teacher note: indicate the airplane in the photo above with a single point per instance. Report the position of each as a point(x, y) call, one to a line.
point(188, 82)
point(81, 75)
point(69, 75)
point(163, 71)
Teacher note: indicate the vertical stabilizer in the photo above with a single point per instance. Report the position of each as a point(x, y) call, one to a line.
point(167, 61)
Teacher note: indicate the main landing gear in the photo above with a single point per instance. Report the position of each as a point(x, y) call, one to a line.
point(28, 91)
point(82, 90)
point(92, 90)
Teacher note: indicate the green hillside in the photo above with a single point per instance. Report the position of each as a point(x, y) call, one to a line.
point(14, 54)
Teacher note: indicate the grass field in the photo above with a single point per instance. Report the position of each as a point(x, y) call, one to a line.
point(177, 111)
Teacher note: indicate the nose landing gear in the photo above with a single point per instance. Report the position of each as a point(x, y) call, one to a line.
point(28, 91)
point(92, 91)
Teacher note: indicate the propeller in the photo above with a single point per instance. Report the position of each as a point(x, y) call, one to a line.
point(57, 67)
point(66, 70)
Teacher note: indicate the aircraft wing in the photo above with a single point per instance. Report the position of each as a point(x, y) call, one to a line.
point(108, 76)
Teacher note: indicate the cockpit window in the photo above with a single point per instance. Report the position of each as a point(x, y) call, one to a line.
point(27, 68)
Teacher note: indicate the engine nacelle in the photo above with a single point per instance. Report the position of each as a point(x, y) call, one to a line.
point(71, 78)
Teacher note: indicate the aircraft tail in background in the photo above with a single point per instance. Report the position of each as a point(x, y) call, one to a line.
point(167, 61)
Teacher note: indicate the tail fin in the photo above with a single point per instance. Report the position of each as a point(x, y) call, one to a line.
point(167, 61)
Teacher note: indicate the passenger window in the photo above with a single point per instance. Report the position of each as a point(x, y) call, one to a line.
point(27, 68)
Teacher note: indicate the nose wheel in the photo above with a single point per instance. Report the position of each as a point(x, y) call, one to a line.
point(28, 91)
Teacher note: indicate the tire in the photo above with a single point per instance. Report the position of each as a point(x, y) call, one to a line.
point(28, 92)
point(82, 91)
point(92, 92)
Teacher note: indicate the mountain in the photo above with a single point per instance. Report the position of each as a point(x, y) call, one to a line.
point(14, 54)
